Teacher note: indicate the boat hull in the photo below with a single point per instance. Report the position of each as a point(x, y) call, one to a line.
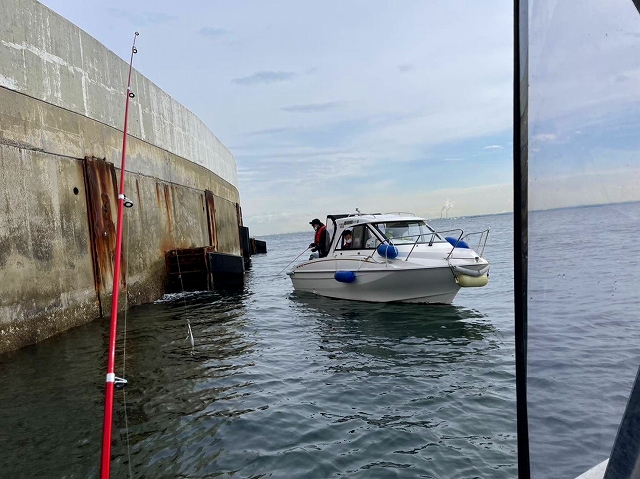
point(381, 285)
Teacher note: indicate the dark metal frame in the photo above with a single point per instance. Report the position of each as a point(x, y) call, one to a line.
point(520, 223)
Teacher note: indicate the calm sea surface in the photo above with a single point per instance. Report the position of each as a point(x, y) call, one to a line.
point(584, 334)
point(291, 385)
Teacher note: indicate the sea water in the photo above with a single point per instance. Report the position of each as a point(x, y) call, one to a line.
point(282, 384)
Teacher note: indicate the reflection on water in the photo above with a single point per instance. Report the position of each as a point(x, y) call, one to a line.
point(397, 321)
point(397, 332)
point(176, 411)
point(278, 385)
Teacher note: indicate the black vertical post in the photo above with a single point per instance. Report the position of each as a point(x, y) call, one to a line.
point(520, 222)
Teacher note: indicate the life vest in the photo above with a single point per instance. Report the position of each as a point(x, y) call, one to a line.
point(319, 235)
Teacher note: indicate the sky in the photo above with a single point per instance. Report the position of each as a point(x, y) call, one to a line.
point(392, 106)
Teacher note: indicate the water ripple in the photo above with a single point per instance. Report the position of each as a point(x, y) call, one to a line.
point(279, 384)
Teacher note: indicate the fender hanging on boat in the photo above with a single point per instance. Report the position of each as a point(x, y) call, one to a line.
point(459, 270)
point(466, 281)
point(388, 251)
point(345, 276)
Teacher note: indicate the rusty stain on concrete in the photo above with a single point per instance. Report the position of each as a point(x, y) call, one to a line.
point(167, 203)
point(138, 192)
point(56, 137)
point(211, 219)
point(101, 191)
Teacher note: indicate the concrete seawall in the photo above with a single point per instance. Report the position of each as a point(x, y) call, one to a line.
point(61, 115)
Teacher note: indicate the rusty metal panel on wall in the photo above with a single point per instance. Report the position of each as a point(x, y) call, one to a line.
point(101, 190)
point(226, 222)
point(211, 218)
point(239, 214)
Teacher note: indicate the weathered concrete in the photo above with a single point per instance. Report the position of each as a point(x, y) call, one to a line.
point(33, 124)
point(46, 57)
point(46, 274)
point(61, 110)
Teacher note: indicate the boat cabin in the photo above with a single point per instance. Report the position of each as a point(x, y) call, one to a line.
point(368, 231)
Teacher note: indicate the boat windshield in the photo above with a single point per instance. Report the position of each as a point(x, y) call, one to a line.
point(406, 232)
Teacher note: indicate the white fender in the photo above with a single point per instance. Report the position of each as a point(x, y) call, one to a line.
point(471, 272)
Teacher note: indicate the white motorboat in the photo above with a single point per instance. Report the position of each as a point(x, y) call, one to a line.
point(393, 257)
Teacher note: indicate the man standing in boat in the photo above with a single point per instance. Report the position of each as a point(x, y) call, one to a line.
point(320, 246)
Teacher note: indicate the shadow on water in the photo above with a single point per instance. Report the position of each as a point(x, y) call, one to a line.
point(176, 386)
point(52, 412)
point(435, 322)
point(397, 339)
point(279, 384)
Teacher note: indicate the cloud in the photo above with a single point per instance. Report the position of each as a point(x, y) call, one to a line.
point(545, 137)
point(313, 107)
point(386, 130)
point(267, 76)
point(143, 18)
point(582, 72)
point(585, 188)
point(212, 32)
point(269, 131)
point(498, 199)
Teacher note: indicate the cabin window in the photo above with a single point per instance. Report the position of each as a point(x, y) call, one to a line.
point(341, 242)
point(363, 237)
point(407, 232)
point(358, 236)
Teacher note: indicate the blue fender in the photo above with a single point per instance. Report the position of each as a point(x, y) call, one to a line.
point(388, 251)
point(345, 276)
point(456, 243)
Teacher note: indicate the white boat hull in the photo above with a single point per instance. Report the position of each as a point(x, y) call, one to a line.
point(379, 283)
point(363, 263)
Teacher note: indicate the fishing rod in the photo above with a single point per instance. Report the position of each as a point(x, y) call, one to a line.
point(111, 379)
point(293, 260)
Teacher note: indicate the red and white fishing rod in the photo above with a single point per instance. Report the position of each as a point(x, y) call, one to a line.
point(111, 362)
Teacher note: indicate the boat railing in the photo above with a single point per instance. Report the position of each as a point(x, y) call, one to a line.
point(400, 213)
point(434, 235)
point(483, 236)
point(458, 231)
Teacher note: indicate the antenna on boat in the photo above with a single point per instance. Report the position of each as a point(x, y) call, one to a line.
point(111, 379)
point(358, 211)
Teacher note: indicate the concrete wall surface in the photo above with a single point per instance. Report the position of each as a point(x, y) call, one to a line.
point(46, 57)
point(61, 109)
point(46, 272)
